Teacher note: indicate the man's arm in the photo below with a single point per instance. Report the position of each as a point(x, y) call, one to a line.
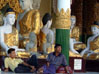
point(26, 64)
point(48, 60)
point(6, 64)
point(67, 68)
point(6, 70)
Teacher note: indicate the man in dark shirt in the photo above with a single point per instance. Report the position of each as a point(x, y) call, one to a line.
point(57, 58)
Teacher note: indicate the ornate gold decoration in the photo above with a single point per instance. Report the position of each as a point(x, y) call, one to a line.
point(79, 46)
point(23, 54)
point(62, 19)
point(71, 54)
point(14, 4)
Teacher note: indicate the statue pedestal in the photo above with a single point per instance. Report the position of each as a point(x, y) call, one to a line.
point(77, 64)
point(92, 65)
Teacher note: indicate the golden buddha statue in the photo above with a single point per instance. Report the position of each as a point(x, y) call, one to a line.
point(75, 44)
point(28, 21)
point(92, 49)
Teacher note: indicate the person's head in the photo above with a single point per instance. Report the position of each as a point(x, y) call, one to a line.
point(95, 28)
point(73, 20)
point(47, 20)
point(26, 4)
point(9, 17)
point(58, 48)
point(11, 53)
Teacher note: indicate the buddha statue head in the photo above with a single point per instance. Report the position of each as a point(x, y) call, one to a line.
point(47, 20)
point(95, 28)
point(29, 4)
point(9, 18)
point(73, 21)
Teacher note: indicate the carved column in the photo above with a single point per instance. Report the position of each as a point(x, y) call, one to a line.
point(62, 25)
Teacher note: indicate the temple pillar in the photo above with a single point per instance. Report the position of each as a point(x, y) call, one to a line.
point(62, 25)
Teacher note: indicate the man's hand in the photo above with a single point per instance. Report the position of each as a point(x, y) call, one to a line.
point(69, 70)
point(33, 68)
point(6, 70)
point(48, 64)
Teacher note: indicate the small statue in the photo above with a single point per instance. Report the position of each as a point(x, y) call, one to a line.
point(32, 45)
point(28, 21)
point(75, 44)
point(92, 49)
point(9, 34)
point(46, 34)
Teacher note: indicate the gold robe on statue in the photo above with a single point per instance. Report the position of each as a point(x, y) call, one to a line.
point(76, 35)
point(10, 39)
point(29, 23)
point(94, 46)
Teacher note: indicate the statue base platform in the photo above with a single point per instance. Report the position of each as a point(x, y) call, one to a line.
point(92, 65)
point(78, 64)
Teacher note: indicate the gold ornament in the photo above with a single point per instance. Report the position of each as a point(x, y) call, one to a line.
point(14, 4)
point(62, 19)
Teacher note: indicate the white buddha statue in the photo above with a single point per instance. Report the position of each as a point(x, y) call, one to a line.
point(92, 49)
point(75, 44)
point(9, 34)
point(46, 35)
point(28, 21)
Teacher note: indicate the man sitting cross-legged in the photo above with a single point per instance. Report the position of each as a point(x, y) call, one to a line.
point(19, 66)
point(54, 61)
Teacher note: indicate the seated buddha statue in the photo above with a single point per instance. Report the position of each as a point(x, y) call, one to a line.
point(75, 44)
point(28, 21)
point(8, 33)
point(92, 49)
point(46, 35)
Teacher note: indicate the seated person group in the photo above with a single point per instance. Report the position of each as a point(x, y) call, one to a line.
point(54, 61)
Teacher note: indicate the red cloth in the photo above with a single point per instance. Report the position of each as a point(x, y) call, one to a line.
point(61, 69)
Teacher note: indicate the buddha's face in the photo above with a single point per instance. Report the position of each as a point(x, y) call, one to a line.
point(95, 30)
point(73, 21)
point(10, 19)
point(49, 23)
point(25, 4)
